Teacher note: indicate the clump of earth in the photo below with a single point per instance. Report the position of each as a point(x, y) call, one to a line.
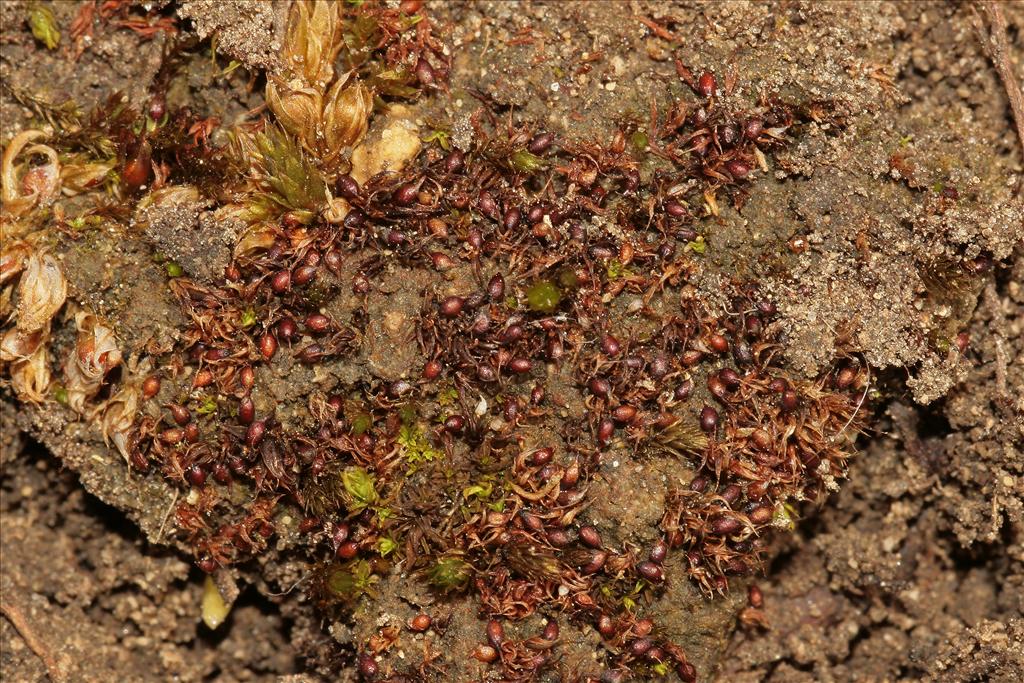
point(877, 241)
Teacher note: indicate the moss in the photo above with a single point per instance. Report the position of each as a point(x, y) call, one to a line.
point(360, 489)
point(449, 574)
point(543, 296)
point(416, 448)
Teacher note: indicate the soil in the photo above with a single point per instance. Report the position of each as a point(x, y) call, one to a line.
point(911, 569)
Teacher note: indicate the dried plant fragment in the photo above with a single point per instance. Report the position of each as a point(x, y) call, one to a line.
point(42, 292)
point(327, 119)
point(38, 185)
point(31, 377)
point(94, 355)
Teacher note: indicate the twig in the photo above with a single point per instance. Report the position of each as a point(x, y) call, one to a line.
point(997, 48)
point(163, 523)
point(24, 628)
point(867, 386)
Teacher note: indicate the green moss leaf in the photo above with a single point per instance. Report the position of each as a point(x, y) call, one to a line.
point(525, 162)
point(544, 296)
point(44, 26)
point(360, 489)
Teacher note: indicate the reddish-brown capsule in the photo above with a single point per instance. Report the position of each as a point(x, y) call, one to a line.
point(151, 386)
point(724, 525)
point(495, 633)
point(221, 474)
point(755, 598)
point(761, 514)
point(304, 275)
point(511, 218)
point(424, 72)
point(157, 107)
point(486, 373)
point(487, 206)
point(596, 563)
point(540, 143)
point(728, 135)
point(281, 281)
point(730, 378)
point(707, 84)
point(659, 552)
point(347, 550)
point(455, 424)
point(254, 434)
point(605, 626)
point(640, 646)
point(432, 370)
point(268, 346)
point(496, 287)
point(246, 410)
point(761, 439)
point(737, 169)
point(333, 260)
point(624, 414)
point(571, 475)
point(610, 345)
point(845, 377)
point(963, 341)
point(731, 493)
point(203, 378)
point(550, 631)
point(399, 388)
point(368, 667)
point(590, 536)
point(247, 377)
point(659, 367)
point(686, 672)
point(719, 343)
point(339, 534)
point(207, 565)
point(192, 432)
point(287, 329)
point(173, 435)
point(180, 414)
point(600, 387)
point(405, 195)
point(420, 623)
point(511, 335)
point(346, 186)
point(452, 306)
point(691, 357)
point(318, 323)
point(454, 161)
point(605, 430)
point(717, 387)
point(650, 571)
point(683, 391)
point(136, 171)
point(520, 366)
point(789, 401)
point(196, 475)
point(484, 653)
point(558, 538)
point(708, 419)
point(675, 209)
point(542, 456)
